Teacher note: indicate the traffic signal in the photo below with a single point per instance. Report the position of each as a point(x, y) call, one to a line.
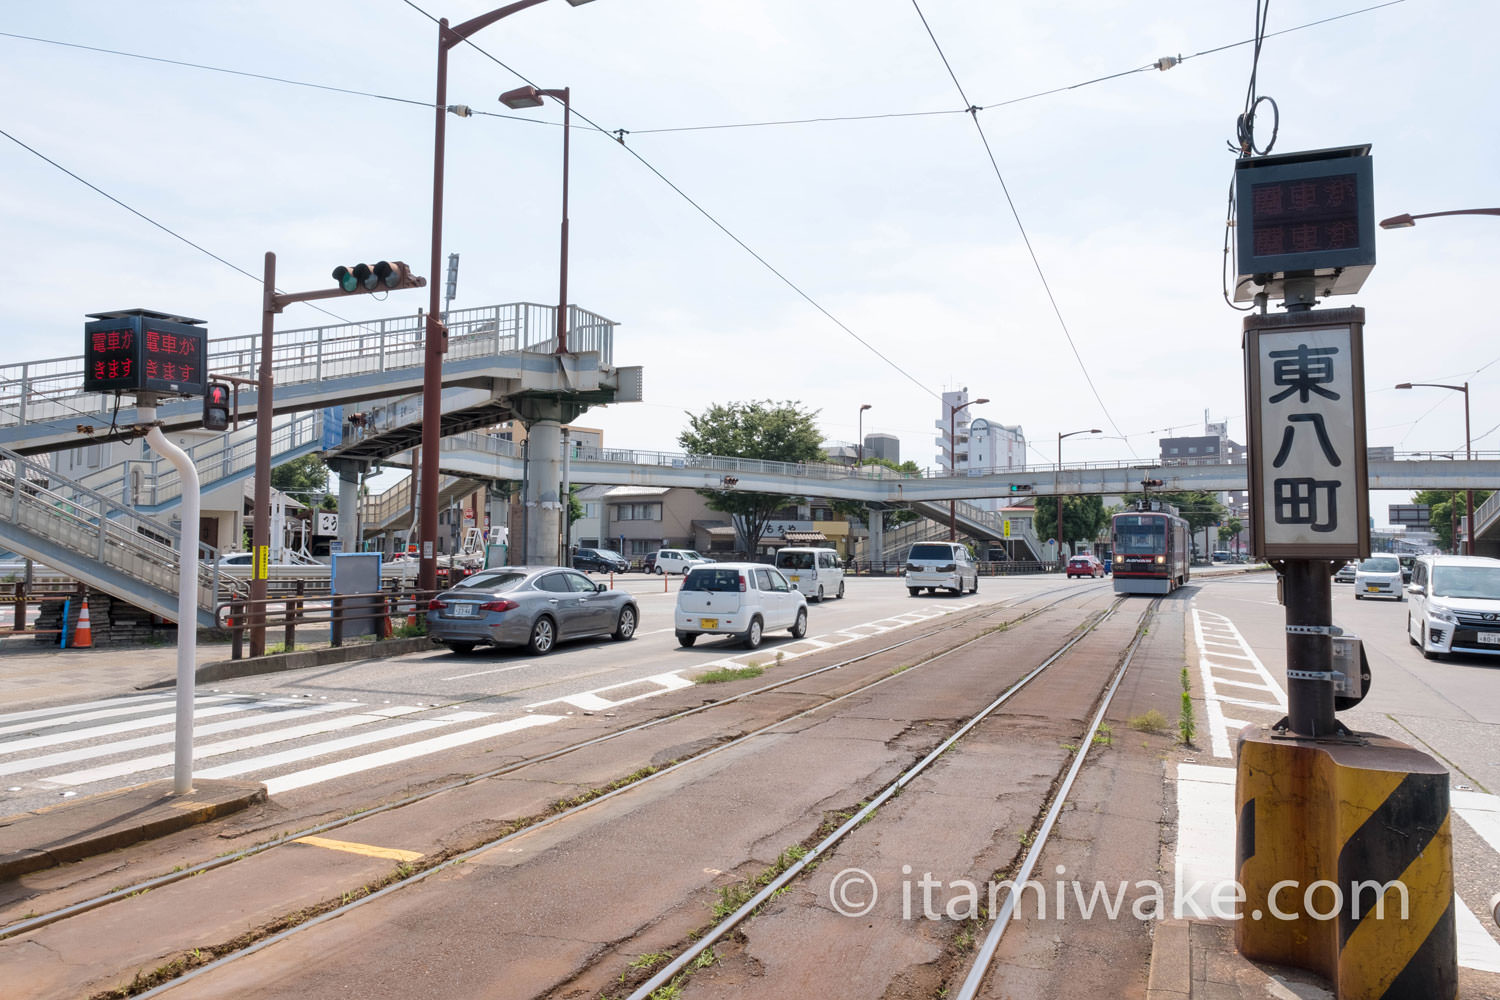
point(1020, 487)
point(384, 274)
point(216, 407)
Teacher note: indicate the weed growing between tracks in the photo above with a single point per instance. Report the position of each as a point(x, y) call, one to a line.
point(1186, 727)
point(725, 674)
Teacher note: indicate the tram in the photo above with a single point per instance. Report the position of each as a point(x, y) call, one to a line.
point(1151, 550)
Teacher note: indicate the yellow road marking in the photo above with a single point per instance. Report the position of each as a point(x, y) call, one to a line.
point(368, 850)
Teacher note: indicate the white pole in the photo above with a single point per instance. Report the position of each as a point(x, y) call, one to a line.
point(187, 597)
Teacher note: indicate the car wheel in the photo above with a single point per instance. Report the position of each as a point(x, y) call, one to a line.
point(751, 638)
point(1409, 637)
point(914, 591)
point(975, 589)
point(686, 638)
point(841, 590)
point(932, 590)
point(625, 628)
point(819, 598)
point(461, 648)
point(660, 571)
point(799, 627)
point(1359, 597)
point(543, 636)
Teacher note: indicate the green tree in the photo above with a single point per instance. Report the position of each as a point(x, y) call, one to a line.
point(301, 475)
point(575, 506)
point(1445, 508)
point(760, 429)
point(1198, 508)
point(1083, 517)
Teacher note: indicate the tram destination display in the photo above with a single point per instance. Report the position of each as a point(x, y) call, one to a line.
point(144, 352)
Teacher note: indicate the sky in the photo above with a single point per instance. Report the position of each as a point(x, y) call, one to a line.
point(870, 252)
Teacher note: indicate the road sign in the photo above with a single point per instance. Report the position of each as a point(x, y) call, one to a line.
point(1304, 374)
point(262, 568)
point(328, 523)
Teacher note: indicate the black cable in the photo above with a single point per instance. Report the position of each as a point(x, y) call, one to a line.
point(1036, 262)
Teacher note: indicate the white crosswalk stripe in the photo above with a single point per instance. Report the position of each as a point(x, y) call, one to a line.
point(1219, 641)
point(98, 746)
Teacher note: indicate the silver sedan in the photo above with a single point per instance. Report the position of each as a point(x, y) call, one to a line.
point(531, 606)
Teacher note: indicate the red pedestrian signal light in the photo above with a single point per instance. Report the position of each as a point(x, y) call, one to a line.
point(216, 407)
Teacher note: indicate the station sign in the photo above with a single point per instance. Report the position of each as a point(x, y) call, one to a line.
point(1305, 406)
point(142, 351)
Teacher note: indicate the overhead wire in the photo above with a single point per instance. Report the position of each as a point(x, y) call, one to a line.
point(1035, 260)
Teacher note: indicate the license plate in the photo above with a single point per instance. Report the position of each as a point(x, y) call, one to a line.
point(708, 622)
point(794, 579)
point(462, 610)
point(1371, 589)
point(1490, 638)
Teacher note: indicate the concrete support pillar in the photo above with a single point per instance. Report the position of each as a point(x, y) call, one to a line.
point(877, 535)
point(543, 504)
point(349, 473)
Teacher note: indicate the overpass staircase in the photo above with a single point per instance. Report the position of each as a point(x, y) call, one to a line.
point(100, 541)
point(969, 520)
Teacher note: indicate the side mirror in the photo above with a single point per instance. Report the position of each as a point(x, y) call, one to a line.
point(1415, 588)
point(600, 588)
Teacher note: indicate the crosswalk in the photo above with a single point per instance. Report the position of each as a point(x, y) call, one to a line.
point(1234, 679)
point(284, 742)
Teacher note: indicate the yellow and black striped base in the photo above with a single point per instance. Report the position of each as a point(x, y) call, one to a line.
point(1345, 859)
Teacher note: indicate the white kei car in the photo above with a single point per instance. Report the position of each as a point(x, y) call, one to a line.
point(743, 599)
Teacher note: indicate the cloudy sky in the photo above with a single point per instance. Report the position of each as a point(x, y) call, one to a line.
point(800, 208)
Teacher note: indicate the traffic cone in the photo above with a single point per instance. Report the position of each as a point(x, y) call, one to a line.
point(83, 637)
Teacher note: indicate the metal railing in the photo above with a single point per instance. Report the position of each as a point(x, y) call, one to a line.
point(100, 531)
point(52, 389)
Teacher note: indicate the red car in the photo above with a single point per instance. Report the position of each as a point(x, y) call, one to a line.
point(1085, 565)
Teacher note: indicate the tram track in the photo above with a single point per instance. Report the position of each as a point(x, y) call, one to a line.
point(37, 921)
point(500, 845)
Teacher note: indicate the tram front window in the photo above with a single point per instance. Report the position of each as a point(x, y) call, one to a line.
point(1140, 538)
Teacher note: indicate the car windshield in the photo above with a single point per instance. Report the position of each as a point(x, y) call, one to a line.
point(1380, 564)
point(795, 560)
point(496, 582)
point(1081, 560)
point(690, 554)
point(931, 552)
point(1466, 581)
point(722, 580)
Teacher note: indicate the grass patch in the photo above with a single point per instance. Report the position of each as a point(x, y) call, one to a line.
point(1186, 727)
point(1151, 722)
point(1104, 736)
point(725, 674)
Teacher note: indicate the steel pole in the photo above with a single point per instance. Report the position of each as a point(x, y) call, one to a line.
point(1309, 602)
point(952, 465)
point(1469, 455)
point(432, 370)
point(1058, 498)
point(562, 294)
point(260, 532)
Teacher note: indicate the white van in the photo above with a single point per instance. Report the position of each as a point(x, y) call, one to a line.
point(815, 573)
point(1455, 605)
point(739, 599)
point(677, 561)
point(941, 564)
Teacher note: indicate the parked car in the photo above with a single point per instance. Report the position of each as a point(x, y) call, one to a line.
point(648, 562)
point(1222, 556)
point(531, 606)
point(1454, 604)
point(940, 564)
point(600, 561)
point(677, 561)
point(1345, 573)
point(815, 573)
point(1407, 562)
point(743, 599)
point(1085, 565)
point(1379, 576)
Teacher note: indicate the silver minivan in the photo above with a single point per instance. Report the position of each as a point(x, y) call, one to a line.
point(816, 573)
point(1454, 605)
point(941, 564)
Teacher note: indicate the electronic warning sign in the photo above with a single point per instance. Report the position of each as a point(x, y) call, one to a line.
point(141, 351)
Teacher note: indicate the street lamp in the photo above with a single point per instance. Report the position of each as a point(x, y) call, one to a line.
point(530, 97)
point(862, 408)
point(1468, 446)
point(436, 338)
point(1407, 221)
point(1092, 430)
point(953, 461)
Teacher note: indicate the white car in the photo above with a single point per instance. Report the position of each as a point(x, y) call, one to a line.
point(1345, 573)
point(1378, 576)
point(678, 561)
point(1454, 605)
point(941, 564)
point(743, 599)
point(816, 573)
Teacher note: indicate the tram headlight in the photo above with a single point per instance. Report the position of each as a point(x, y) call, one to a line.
point(1161, 560)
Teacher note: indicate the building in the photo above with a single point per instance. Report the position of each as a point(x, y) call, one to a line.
point(883, 446)
point(994, 448)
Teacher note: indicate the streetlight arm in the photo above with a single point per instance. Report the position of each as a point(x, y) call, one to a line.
point(1403, 221)
point(473, 24)
point(1433, 385)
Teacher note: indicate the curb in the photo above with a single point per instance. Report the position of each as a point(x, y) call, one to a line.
point(98, 824)
point(223, 670)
